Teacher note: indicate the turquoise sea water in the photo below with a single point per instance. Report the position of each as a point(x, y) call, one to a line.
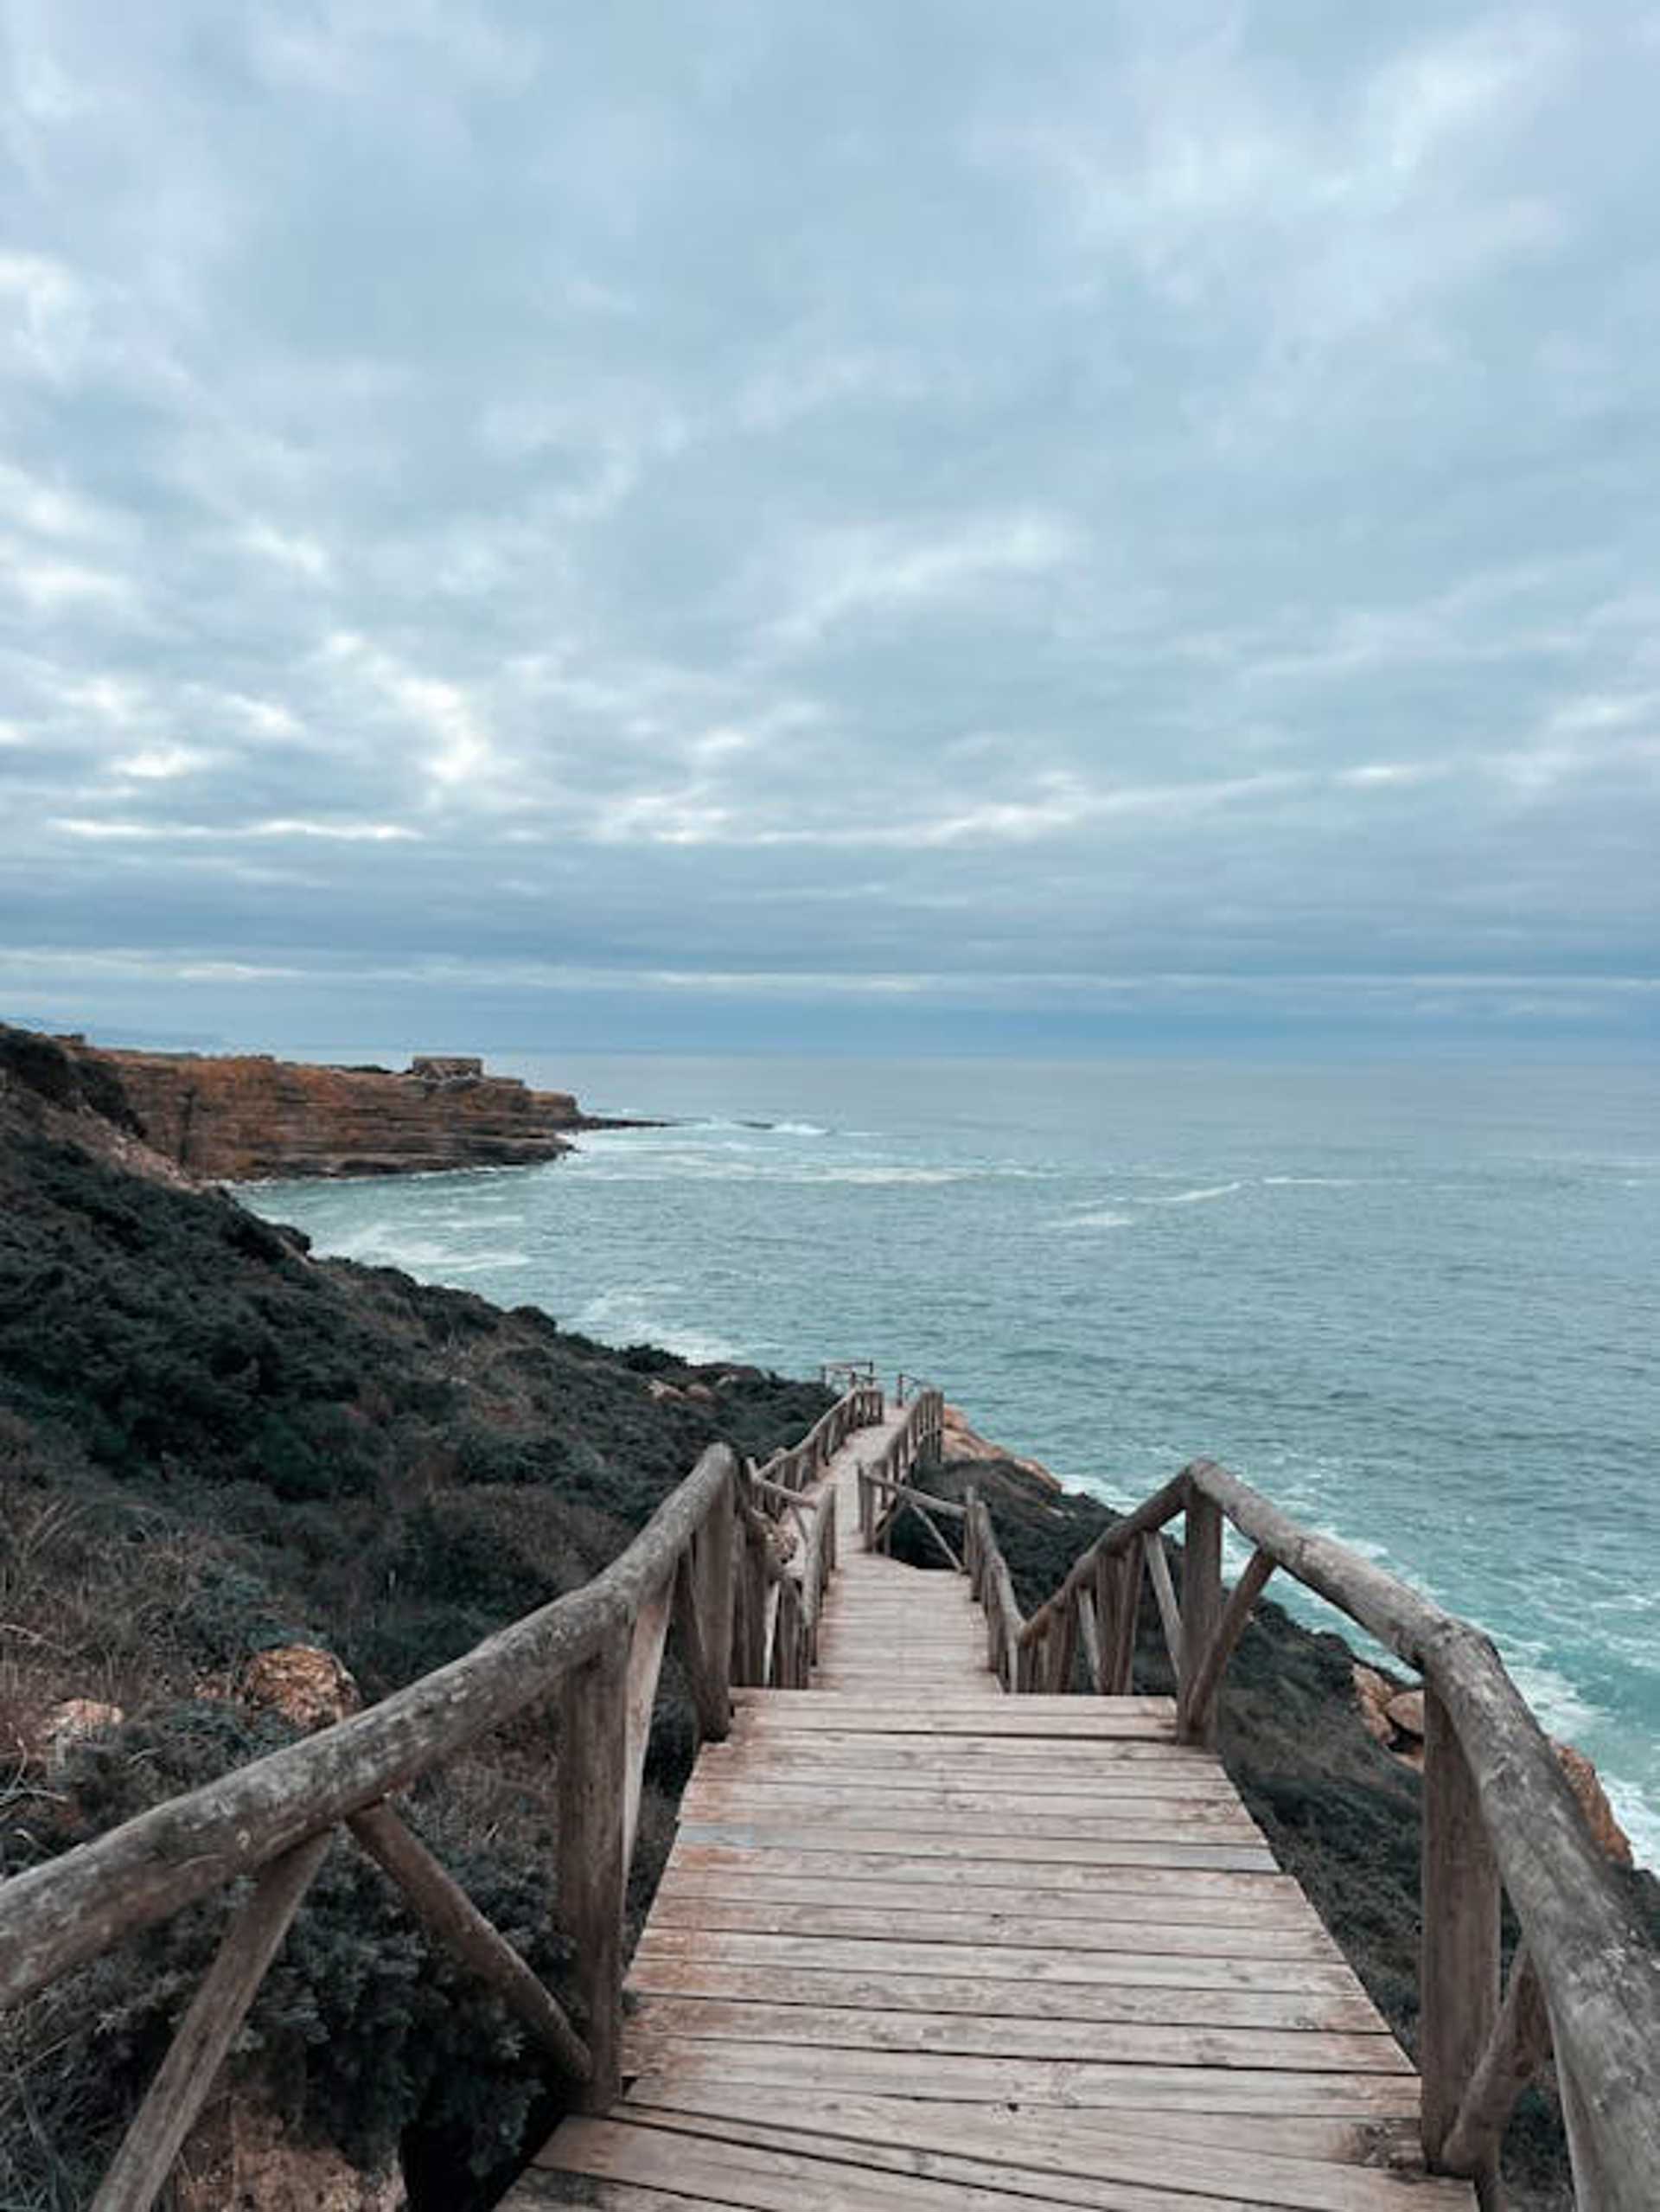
point(1417, 1305)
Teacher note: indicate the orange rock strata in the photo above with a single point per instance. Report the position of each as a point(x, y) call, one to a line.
point(244, 1115)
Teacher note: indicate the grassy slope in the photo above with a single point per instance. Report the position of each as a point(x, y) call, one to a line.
point(1339, 1813)
point(211, 1443)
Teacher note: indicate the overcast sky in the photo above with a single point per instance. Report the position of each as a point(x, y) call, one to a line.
point(975, 523)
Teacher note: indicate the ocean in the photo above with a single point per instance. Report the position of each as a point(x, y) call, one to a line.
point(1414, 1303)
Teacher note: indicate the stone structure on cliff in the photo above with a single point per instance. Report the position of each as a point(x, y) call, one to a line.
point(239, 1116)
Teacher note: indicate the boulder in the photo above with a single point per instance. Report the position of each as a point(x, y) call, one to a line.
point(1373, 1691)
point(71, 1723)
point(1405, 1714)
point(305, 1684)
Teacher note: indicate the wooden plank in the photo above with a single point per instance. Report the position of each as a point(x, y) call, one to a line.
point(802, 1705)
point(1387, 2145)
point(1033, 1758)
point(1103, 1782)
point(1292, 1940)
point(968, 1953)
point(534, 2191)
point(1086, 1720)
point(871, 2029)
point(1201, 1820)
point(1172, 2152)
point(993, 2001)
point(859, 1868)
point(1103, 2086)
point(1232, 1857)
point(769, 2177)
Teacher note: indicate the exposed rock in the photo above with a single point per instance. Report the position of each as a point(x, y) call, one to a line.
point(243, 2159)
point(1373, 1691)
point(245, 1115)
point(71, 1723)
point(1405, 1713)
point(960, 1440)
point(306, 1686)
point(1594, 1803)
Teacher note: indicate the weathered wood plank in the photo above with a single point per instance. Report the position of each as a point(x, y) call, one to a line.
point(968, 1952)
point(1240, 1857)
point(1388, 2146)
point(858, 1868)
point(994, 1999)
point(1170, 2151)
point(1075, 2083)
point(871, 2029)
point(1015, 1917)
point(1197, 1819)
point(1200, 1819)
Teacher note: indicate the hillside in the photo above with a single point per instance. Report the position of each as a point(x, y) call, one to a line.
point(214, 1447)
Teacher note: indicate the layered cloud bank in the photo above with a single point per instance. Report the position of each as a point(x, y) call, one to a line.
point(1109, 521)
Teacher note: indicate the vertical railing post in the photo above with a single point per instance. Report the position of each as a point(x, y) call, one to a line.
point(1201, 1608)
point(1459, 1976)
point(593, 1872)
point(712, 1582)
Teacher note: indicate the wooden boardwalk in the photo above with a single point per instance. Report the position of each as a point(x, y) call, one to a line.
point(920, 1945)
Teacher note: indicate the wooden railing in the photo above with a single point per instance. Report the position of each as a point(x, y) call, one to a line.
point(884, 1495)
point(1498, 1820)
point(705, 1567)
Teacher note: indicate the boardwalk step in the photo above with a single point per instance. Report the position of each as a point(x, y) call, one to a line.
point(920, 1946)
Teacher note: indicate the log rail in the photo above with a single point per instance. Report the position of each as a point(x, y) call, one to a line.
point(707, 1568)
point(1499, 1820)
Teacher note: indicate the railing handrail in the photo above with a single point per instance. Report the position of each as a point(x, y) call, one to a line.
point(1490, 1770)
point(600, 1648)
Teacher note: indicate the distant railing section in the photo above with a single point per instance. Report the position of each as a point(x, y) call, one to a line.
point(707, 1567)
point(1498, 1820)
point(885, 1496)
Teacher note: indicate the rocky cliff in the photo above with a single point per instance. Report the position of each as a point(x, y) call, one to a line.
point(232, 1118)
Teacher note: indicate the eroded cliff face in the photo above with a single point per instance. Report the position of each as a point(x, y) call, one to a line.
point(232, 1118)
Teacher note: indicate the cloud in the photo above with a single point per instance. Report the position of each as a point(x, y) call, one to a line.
point(925, 499)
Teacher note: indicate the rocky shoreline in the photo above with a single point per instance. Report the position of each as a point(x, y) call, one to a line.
point(243, 1117)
